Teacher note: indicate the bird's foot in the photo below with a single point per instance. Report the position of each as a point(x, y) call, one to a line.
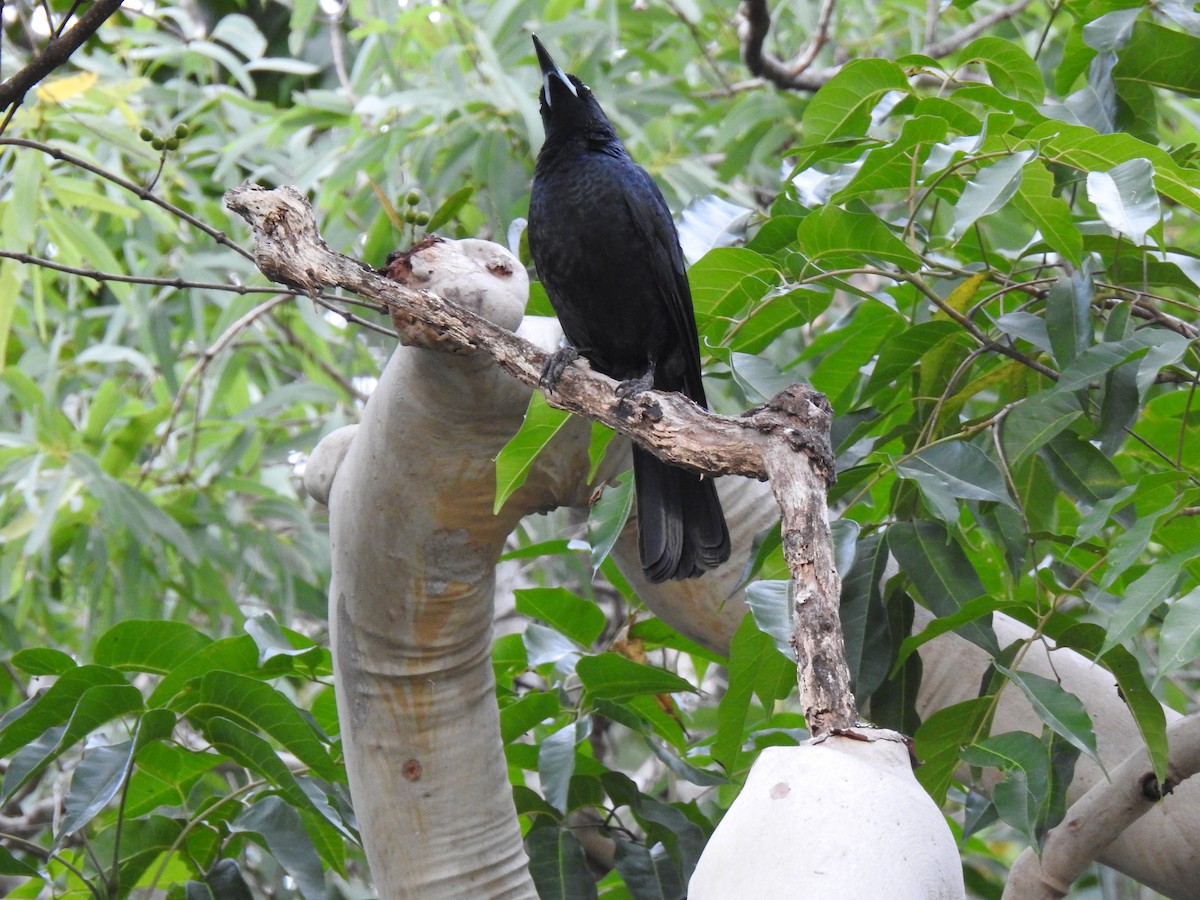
point(555, 366)
point(634, 386)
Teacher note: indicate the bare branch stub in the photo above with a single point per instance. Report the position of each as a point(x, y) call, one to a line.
point(785, 441)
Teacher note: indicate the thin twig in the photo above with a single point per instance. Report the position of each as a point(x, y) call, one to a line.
point(701, 42)
point(965, 35)
point(137, 190)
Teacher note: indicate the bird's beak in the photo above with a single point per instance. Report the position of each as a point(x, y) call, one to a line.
point(550, 69)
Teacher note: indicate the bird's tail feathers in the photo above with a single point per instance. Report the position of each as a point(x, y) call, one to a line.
point(681, 528)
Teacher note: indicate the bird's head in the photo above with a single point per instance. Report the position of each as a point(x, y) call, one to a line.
point(567, 105)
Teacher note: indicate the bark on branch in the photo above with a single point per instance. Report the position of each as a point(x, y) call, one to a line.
point(55, 53)
point(785, 441)
point(1102, 815)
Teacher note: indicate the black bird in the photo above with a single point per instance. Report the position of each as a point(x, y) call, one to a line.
point(607, 252)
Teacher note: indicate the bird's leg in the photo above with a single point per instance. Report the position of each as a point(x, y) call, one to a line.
point(634, 386)
point(556, 365)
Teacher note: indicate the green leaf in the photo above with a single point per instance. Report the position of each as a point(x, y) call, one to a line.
point(601, 439)
point(1080, 469)
point(1147, 711)
point(1179, 640)
point(940, 739)
point(960, 469)
point(10, 865)
point(1140, 599)
point(607, 518)
point(753, 659)
point(1035, 421)
point(725, 283)
point(865, 622)
point(526, 713)
point(95, 706)
point(842, 107)
point(237, 654)
point(1083, 149)
point(42, 661)
point(558, 866)
point(1058, 708)
point(615, 677)
point(1035, 198)
point(282, 833)
point(148, 645)
point(941, 573)
point(891, 167)
point(648, 873)
point(1068, 320)
point(255, 753)
point(989, 190)
point(256, 705)
point(1019, 797)
point(542, 422)
point(226, 882)
point(969, 612)
point(578, 619)
point(103, 771)
point(1126, 198)
point(272, 641)
point(1161, 57)
point(54, 707)
point(1008, 66)
point(449, 208)
point(833, 238)
point(900, 353)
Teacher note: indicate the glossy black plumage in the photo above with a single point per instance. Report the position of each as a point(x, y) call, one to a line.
point(607, 252)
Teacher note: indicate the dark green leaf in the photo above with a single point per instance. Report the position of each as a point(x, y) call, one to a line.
point(900, 353)
point(940, 739)
point(942, 574)
point(865, 622)
point(615, 677)
point(648, 873)
point(1058, 708)
point(558, 866)
point(960, 469)
point(1036, 421)
point(1146, 709)
point(1068, 319)
point(280, 830)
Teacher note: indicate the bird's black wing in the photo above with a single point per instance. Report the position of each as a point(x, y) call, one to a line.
point(656, 229)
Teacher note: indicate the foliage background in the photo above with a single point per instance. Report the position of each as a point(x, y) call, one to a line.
point(985, 259)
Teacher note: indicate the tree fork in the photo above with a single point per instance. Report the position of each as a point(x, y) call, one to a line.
point(786, 441)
